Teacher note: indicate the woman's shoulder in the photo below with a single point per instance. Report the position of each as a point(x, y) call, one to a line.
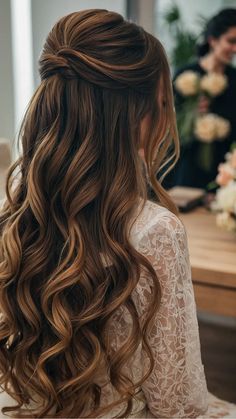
point(155, 218)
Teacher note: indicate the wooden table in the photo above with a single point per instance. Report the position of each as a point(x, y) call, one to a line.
point(213, 261)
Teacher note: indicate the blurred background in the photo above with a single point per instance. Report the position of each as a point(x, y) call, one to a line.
point(24, 25)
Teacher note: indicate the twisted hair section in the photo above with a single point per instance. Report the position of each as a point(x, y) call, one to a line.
point(79, 183)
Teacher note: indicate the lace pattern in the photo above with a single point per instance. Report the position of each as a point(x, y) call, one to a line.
point(177, 386)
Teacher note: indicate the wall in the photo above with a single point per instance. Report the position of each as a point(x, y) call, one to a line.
point(6, 76)
point(46, 12)
point(228, 3)
point(44, 15)
point(190, 10)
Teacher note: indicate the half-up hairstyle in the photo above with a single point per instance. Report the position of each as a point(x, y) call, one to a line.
point(66, 259)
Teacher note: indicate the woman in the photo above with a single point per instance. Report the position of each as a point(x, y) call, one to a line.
point(98, 313)
point(215, 54)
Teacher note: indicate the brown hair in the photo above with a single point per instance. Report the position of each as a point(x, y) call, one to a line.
point(80, 180)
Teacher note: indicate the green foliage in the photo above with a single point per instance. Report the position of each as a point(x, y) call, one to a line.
point(184, 49)
point(201, 21)
point(186, 116)
point(205, 156)
point(172, 15)
point(183, 52)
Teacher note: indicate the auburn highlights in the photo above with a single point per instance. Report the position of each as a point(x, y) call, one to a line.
point(66, 260)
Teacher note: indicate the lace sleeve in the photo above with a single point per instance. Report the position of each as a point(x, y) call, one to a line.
point(176, 386)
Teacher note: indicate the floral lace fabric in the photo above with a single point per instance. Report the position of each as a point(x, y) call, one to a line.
point(176, 387)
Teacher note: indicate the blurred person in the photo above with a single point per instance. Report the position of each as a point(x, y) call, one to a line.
point(215, 54)
point(98, 317)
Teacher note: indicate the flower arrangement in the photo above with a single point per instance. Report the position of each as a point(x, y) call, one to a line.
point(206, 127)
point(187, 83)
point(210, 127)
point(193, 124)
point(225, 199)
point(213, 83)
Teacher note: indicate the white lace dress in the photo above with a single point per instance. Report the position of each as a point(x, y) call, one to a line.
point(177, 386)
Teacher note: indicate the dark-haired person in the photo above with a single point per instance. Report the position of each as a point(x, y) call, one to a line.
point(98, 316)
point(215, 54)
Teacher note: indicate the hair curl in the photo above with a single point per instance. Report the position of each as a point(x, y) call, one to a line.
point(79, 184)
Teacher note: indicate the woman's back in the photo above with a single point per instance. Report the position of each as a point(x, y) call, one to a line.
point(83, 293)
point(176, 387)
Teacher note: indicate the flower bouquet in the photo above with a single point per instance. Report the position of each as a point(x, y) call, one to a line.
point(225, 199)
point(193, 124)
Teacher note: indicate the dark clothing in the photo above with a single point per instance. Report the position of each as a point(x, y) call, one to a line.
point(187, 171)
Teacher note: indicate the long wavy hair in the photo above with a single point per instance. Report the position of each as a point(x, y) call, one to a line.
point(71, 198)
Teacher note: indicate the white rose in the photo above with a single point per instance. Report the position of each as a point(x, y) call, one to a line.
point(222, 127)
point(205, 128)
point(225, 220)
point(187, 83)
point(231, 159)
point(213, 83)
point(225, 174)
point(226, 197)
point(211, 127)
